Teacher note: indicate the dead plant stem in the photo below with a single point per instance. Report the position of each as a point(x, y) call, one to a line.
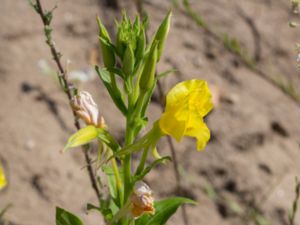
point(67, 88)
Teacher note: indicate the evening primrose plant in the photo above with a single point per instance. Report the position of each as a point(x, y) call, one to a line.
point(129, 75)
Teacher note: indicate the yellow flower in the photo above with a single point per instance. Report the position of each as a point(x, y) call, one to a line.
point(3, 181)
point(187, 103)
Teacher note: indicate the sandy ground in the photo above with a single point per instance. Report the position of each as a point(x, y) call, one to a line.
point(254, 154)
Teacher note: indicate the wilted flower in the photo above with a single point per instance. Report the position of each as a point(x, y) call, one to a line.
point(141, 200)
point(3, 181)
point(187, 103)
point(85, 107)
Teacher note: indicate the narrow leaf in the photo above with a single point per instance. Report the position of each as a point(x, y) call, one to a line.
point(114, 93)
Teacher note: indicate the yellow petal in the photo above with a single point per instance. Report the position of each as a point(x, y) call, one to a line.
point(192, 95)
point(3, 181)
point(198, 129)
point(170, 125)
point(187, 103)
point(200, 97)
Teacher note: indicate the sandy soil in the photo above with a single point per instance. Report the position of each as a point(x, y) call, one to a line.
point(252, 159)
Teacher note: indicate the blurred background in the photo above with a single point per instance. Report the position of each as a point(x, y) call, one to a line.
point(245, 50)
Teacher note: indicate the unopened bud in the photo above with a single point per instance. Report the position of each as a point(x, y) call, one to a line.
point(128, 61)
point(107, 51)
point(162, 33)
point(85, 108)
point(148, 73)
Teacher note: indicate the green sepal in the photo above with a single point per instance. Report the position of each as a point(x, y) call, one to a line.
point(116, 96)
point(88, 134)
point(64, 217)
point(164, 209)
point(81, 137)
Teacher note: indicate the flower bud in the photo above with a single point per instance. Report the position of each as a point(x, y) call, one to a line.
point(107, 50)
point(85, 108)
point(141, 200)
point(128, 61)
point(140, 49)
point(148, 73)
point(162, 33)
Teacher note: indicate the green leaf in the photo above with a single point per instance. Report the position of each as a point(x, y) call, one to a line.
point(81, 137)
point(164, 210)
point(114, 92)
point(151, 166)
point(64, 217)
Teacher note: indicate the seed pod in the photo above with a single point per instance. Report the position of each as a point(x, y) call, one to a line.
point(162, 33)
point(148, 73)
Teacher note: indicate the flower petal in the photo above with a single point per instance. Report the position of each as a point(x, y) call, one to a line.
point(170, 125)
point(3, 181)
point(198, 129)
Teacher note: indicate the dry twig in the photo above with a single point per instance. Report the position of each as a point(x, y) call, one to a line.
point(46, 17)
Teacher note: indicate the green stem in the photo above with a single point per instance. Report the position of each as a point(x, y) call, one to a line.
point(118, 180)
point(129, 138)
point(143, 161)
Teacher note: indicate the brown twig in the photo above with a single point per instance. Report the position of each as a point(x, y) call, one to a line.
point(46, 19)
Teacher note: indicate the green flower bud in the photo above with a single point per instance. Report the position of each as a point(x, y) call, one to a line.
point(162, 33)
point(106, 46)
point(140, 48)
point(128, 61)
point(148, 72)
